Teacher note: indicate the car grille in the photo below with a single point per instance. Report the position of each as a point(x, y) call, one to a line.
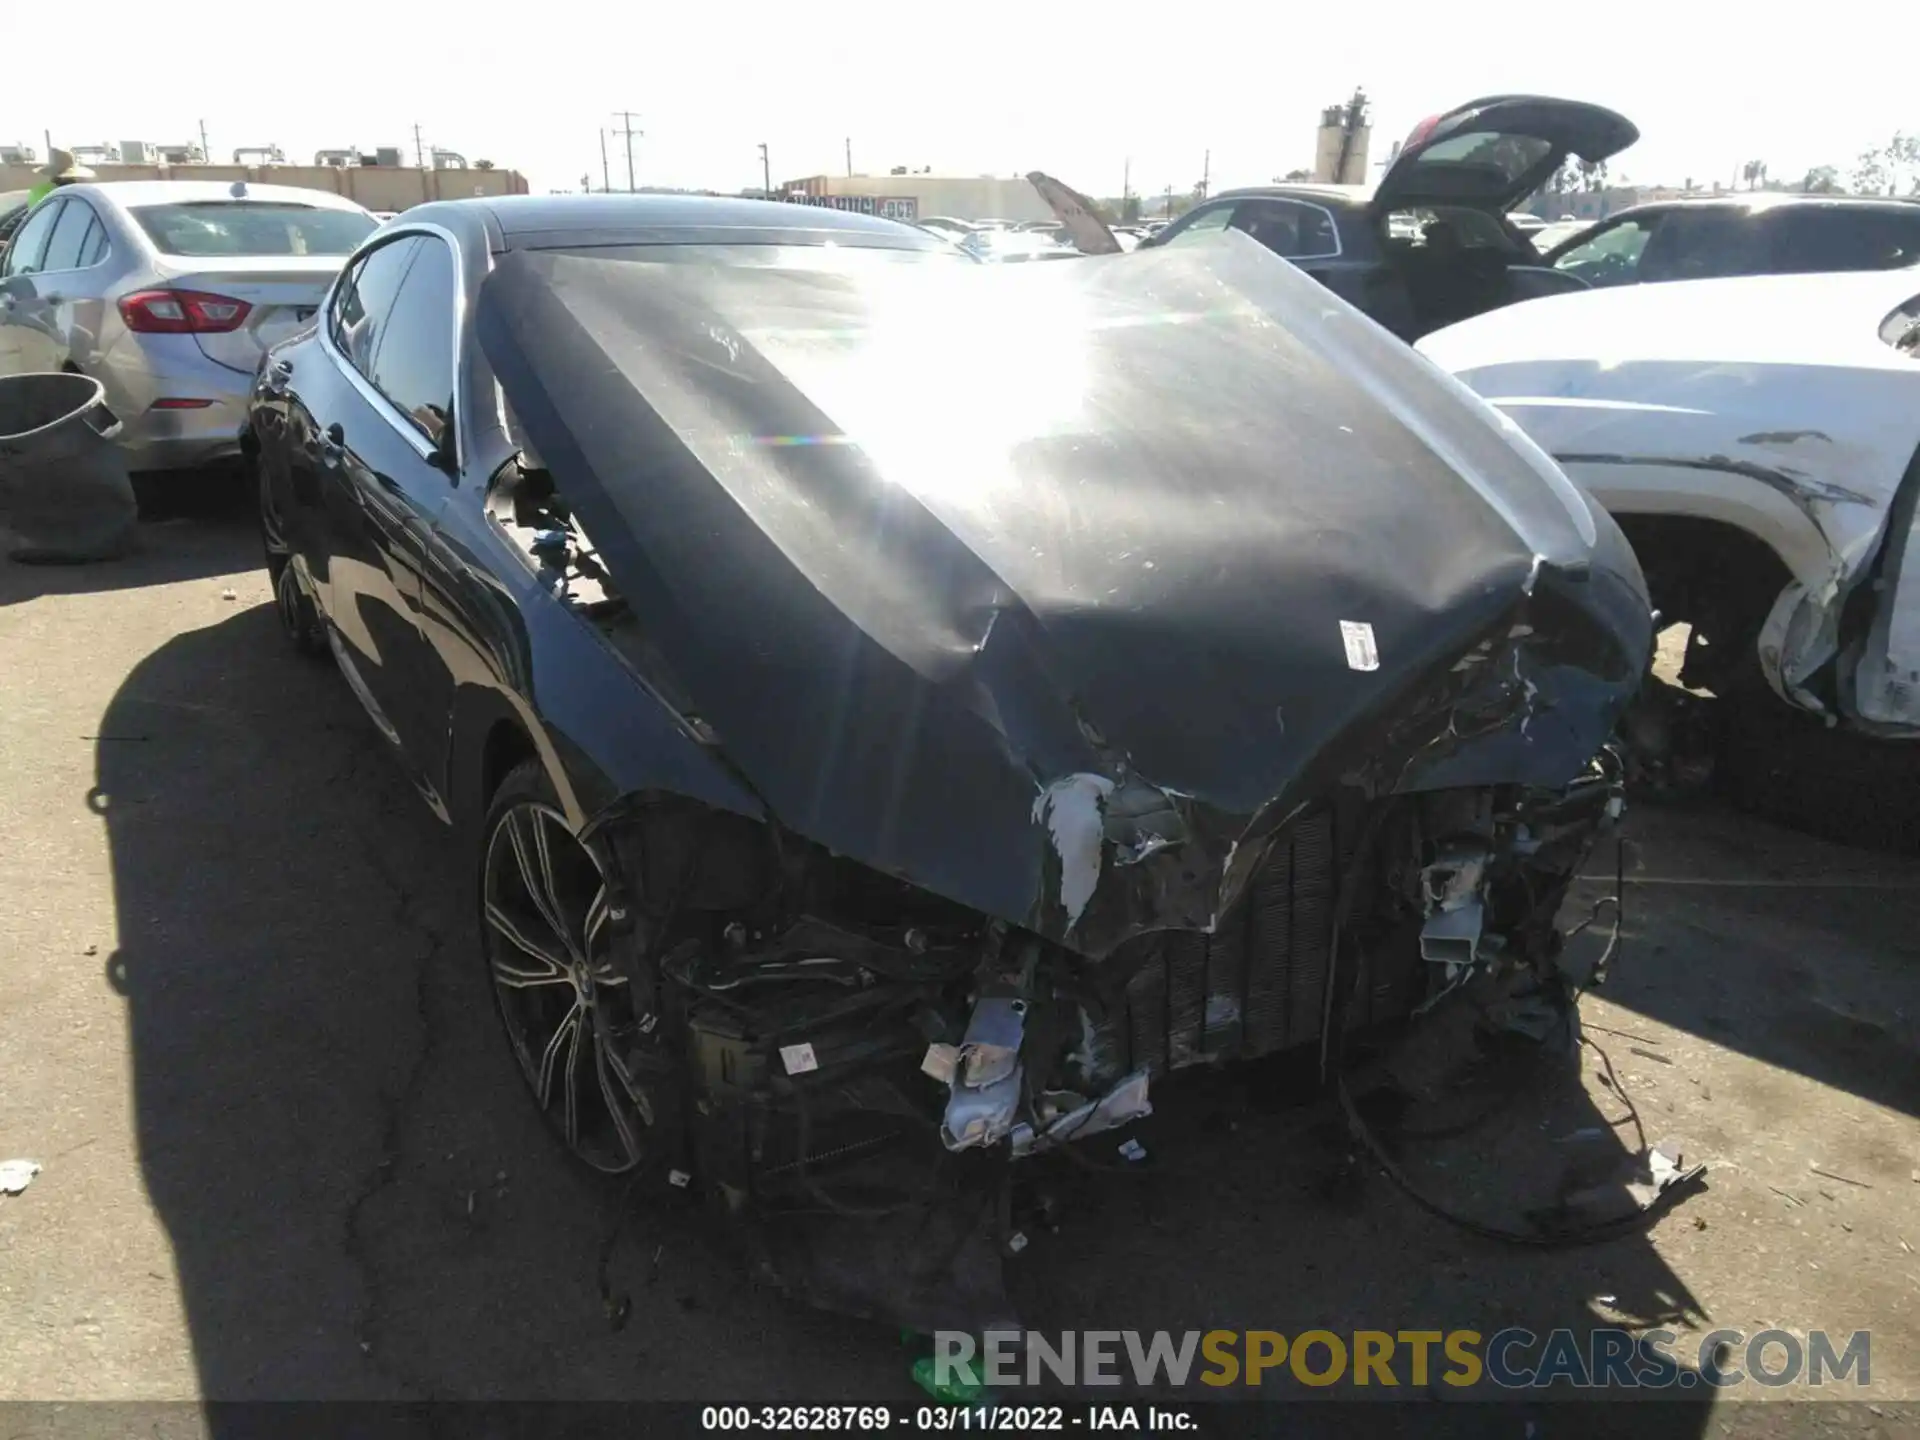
point(1259, 983)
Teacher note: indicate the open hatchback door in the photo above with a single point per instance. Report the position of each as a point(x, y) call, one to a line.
point(1497, 151)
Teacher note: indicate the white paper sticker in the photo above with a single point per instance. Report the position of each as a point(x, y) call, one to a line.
point(1357, 636)
point(798, 1059)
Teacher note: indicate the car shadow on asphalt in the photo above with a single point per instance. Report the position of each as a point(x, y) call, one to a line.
point(363, 1205)
point(1783, 947)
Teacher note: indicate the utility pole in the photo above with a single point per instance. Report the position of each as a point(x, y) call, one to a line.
point(419, 149)
point(1126, 181)
point(1169, 202)
point(626, 121)
point(849, 156)
point(1206, 173)
point(205, 153)
point(606, 175)
point(766, 173)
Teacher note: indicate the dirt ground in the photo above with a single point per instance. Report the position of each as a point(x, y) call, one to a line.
point(285, 1154)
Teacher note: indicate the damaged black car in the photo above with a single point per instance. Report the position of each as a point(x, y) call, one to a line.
point(901, 711)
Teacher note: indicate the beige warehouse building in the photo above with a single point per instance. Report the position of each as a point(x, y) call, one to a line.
point(912, 197)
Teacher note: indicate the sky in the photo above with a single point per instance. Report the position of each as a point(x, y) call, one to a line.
point(1074, 88)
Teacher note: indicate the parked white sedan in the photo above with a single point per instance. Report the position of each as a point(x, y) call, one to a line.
point(168, 293)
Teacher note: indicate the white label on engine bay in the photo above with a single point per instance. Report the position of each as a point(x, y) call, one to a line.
point(1362, 653)
point(798, 1059)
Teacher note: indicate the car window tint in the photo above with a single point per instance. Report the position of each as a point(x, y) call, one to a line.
point(1702, 245)
point(1290, 229)
point(414, 365)
point(1505, 157)
point(94, 248)
point(1610, 256)
point(360, 316)
point(1206, 222)
point(1815, 238)
point(1473, 229)
point(69, 234)
point(30, 245)
point(204, 228)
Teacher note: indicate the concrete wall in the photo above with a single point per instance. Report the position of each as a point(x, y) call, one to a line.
point(376, 187)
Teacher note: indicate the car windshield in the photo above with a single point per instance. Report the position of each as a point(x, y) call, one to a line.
point(252, 227)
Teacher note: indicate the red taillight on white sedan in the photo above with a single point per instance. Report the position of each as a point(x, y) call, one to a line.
point(182, 312)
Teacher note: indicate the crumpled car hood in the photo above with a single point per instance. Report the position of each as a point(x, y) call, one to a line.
point(1048, 588)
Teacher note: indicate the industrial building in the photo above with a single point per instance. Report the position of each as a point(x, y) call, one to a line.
point(378, 181)
point(907, 196)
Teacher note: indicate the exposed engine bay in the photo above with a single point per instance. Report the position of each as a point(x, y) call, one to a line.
point(854, 1070)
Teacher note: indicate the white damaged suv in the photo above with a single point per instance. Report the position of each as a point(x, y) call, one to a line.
point(1758, 440)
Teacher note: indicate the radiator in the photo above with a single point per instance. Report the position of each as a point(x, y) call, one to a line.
point(1258, 984)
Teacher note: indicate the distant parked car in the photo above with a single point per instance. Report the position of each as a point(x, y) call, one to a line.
point(168, 293)
point(947, 225)
point(1743, 235)
point(1007, 246)
point(1430, 244)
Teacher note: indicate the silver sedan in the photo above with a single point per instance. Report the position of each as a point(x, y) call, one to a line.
point(168, 293)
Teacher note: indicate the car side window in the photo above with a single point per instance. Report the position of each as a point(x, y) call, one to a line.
point(1288, 228)
point(30, 244)
point(1704, 244)
point(95, 247)
point(1611, 255)
point(365, 299)
point(1820, 238)
point(1201, 223)
point(69, 237)
point(414, 365)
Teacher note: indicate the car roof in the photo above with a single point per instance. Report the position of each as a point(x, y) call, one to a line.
point(1760, 200)
point(1354, 195)
point(517, 215)
point(176, 192)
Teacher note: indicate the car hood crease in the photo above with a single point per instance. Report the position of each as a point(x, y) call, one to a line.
point(925, 544)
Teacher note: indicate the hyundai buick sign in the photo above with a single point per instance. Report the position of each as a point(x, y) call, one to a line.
point(891, 207)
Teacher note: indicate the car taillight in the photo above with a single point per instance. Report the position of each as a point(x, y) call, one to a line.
point(182, 312)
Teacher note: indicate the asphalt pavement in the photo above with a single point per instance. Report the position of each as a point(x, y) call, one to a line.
point(286, 1155)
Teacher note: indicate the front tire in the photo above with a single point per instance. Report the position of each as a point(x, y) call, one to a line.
point(564, 1001)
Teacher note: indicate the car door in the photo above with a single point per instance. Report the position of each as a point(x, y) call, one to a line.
point(374, 484)
point(414, 373)
point(67, 317)
point(23, 342)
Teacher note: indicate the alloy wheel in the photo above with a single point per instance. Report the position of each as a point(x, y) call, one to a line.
point(566, 1005)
